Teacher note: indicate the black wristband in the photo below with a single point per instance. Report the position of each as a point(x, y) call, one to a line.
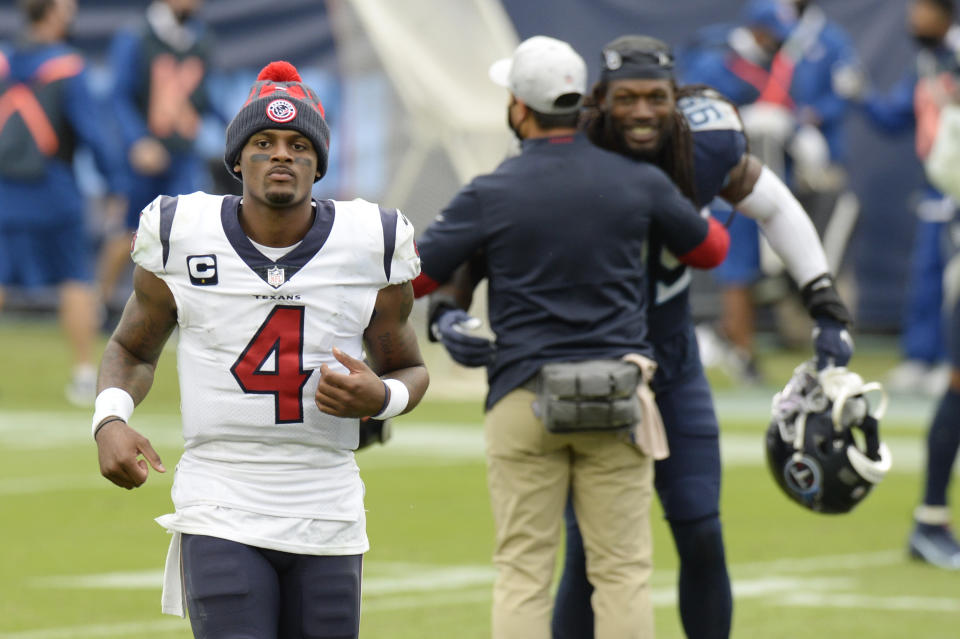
point(386, 398)
point(437, 305)
point(822, 301)
point(104, 423)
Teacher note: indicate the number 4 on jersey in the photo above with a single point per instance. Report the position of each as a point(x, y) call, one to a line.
point(280, 335)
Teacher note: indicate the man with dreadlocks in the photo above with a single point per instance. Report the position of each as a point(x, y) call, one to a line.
point(696, 137)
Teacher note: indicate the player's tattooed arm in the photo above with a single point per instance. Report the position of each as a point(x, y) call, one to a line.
point(131, 354)
point(392, 350)
point(129, 362)
point(391, 343)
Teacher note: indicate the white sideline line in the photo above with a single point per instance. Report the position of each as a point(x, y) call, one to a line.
point(440, 445)
point(48, 484)
point(438, 598)
point(870, 602)
point(138, 580)
point(437, 595)
point(824, 562)
point(430, 581)
point(779, 592)
point(391, 588)
point(425, 579)
point(127, 628)
point(751, 404)
point(385, 578)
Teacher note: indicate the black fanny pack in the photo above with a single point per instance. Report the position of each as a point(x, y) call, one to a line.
point(592, 395)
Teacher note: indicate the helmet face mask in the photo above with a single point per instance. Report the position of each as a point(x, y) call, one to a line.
point(823, 446)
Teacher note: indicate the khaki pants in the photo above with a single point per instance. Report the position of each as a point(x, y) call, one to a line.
point(529, 471)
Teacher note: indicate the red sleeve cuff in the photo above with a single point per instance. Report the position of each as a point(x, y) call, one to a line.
point(712, 250)
point(424, 285)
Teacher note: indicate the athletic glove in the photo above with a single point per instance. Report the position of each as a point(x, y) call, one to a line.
point(832, 343)
point(451, 327)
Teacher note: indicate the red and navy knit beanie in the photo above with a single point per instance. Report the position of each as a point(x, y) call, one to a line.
point(279, 100)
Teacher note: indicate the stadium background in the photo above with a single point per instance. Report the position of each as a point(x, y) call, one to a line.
point(414, 116)
point(404, 82)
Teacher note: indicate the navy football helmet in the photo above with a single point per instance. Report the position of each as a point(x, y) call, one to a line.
point(823, 444)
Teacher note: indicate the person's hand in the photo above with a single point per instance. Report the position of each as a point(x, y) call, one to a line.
point(850, 82)
point(119, 448)
point(357, 393)
point(832, 343)
point(149, 157)
point(452, 328)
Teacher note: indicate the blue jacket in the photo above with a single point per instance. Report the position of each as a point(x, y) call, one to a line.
point(811, 85)
point(134, 55)
point(56, 195)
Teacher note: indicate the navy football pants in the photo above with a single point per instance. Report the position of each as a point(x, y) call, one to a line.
point(688, 484)
point(943, 436)
point(235, 591)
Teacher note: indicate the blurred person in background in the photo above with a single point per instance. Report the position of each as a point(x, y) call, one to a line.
point(918, 102)
point(160, 70)
point(780, 67)
point(46, 111)
point(913, 104)
point(932, 539)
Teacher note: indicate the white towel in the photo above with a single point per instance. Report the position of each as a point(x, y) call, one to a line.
point(649, 434)
point(173, 600)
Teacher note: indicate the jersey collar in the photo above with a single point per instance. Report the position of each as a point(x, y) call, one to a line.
point(292, 262)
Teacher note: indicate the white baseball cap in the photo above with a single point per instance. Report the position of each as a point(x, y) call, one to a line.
point(542, 70)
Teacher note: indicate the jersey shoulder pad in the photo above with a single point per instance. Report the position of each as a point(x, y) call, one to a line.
point(147, 248)
point(390, 236)
point(400, 261)
point(164, 220)
point(406, 262)
point(707, 111)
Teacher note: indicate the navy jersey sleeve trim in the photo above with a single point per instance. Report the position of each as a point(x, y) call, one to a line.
point(388, 219)
point(168, 208)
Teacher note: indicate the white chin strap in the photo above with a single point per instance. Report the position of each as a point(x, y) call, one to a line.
point(840, 385)
point(872, 471)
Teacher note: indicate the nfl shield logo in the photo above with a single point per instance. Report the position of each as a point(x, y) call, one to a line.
point(275, 276)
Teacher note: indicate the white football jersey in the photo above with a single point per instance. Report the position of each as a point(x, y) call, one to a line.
point(253, 334)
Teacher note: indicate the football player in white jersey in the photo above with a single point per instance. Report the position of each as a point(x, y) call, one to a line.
point(275, 296)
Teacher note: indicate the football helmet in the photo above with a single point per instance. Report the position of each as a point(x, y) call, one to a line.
point(823, 443)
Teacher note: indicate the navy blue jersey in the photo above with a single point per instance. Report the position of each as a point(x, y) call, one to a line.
point(54, 198)
point(718, 145)
point(562, 229)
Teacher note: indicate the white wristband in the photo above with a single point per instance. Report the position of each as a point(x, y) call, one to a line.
point(111, 402)
point(397, 401)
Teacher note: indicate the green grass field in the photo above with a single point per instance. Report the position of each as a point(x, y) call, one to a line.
point(82, 558)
